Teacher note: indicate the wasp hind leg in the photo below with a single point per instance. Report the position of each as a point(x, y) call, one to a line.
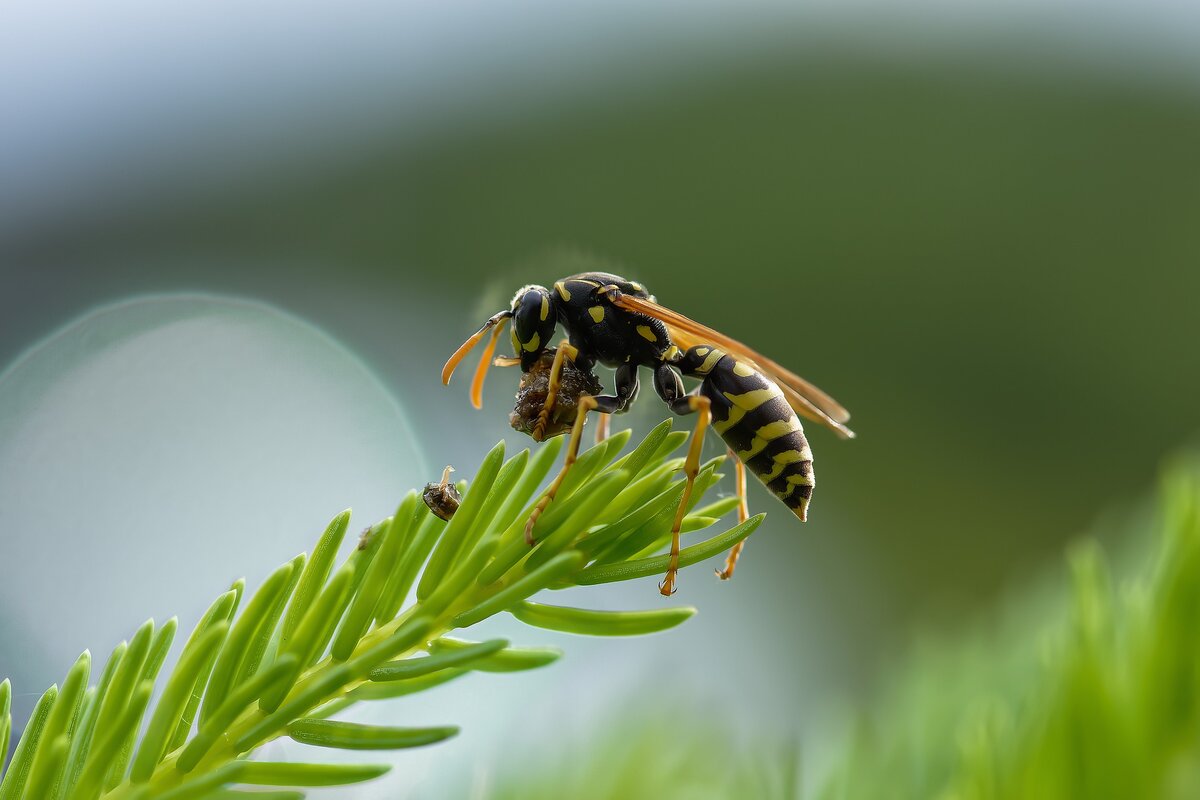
point(701, 406)
point(743, 514)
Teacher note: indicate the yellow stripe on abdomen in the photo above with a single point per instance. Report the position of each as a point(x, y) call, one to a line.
point(783, 460)
point(754, 398)
point(767, 434)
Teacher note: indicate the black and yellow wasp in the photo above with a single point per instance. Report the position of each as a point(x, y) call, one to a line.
point(750, 400)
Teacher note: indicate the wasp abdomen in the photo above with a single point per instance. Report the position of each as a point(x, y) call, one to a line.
point(785, 467)
point(753, 417)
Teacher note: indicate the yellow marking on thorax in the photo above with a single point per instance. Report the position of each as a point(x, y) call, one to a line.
point(597, 313)
point(754, 398)
point(637, 287)
point(670, 353)
point(768, 433)
point(714, 356)
point(561, 288)
point(782, 460)
point(533, 343)
point(742, 369)
point(647, 334)
point(545, 307)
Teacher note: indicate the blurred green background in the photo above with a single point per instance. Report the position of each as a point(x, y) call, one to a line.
point(979, 233)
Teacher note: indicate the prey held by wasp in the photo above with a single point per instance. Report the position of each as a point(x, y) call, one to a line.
point(752, 402)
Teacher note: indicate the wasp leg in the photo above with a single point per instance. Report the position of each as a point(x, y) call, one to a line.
point(627, 390)
point(601, 428)
point(565, 350)
point(743, 515)
point(627, 384)
point(668, 384)
point(586, 403)
point(701, 406)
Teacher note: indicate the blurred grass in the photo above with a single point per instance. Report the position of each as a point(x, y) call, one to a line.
point(1093, 694)
point(1088, 686)
point(671, 757)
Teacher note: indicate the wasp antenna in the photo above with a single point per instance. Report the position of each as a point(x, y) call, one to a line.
point(484, 363)
point(469, 345)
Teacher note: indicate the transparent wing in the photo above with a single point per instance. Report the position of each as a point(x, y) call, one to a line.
point(806, 399)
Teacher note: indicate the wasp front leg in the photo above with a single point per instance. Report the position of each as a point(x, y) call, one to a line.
point(587, 403)
point(565, 350)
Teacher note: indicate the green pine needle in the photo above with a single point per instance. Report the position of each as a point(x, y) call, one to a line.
point(315, 638)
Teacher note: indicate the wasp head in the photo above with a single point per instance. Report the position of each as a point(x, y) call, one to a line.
point(534, 318)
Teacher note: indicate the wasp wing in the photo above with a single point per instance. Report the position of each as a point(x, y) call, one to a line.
point(804, 398)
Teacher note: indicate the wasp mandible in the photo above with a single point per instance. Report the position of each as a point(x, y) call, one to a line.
point(751, 401)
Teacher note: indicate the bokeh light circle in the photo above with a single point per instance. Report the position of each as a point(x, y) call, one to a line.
point(154, 450)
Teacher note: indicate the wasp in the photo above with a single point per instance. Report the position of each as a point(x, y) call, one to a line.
point(753, 403)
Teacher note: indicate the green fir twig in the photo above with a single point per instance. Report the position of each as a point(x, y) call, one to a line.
point(313, 640)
